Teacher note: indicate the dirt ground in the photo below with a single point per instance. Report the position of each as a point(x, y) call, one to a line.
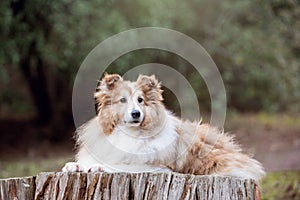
point(273, 139)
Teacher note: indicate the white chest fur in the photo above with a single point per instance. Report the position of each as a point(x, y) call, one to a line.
point(126, 146)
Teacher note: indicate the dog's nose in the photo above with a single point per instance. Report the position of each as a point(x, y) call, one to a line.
point(135, 114)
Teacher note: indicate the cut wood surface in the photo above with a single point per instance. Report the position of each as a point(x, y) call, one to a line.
point(59, 185)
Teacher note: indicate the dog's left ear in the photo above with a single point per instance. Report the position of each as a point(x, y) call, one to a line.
point(151, 87)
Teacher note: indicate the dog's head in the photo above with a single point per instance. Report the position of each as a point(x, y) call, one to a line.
point(134, 105)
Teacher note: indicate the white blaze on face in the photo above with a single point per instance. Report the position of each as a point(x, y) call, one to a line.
point(134, 115)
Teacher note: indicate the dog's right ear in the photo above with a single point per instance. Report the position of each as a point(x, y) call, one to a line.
point(109, 81)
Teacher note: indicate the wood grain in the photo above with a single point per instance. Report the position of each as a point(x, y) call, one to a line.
point(59, 185)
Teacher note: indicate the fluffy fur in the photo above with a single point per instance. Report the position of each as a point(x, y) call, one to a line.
point(133, 132)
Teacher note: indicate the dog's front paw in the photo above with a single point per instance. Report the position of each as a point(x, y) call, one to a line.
point(73, 167)
point(163, 170)
point(96, 168)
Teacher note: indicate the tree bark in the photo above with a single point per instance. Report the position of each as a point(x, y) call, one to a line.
point(36, 79)
point(59, 185)
point(17, 188)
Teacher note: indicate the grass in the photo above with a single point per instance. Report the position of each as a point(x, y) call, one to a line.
point(263, 119)
point(20, 168)
point(281, 185)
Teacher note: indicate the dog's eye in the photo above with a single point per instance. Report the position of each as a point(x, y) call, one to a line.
point(140, 99)
point(123, 100)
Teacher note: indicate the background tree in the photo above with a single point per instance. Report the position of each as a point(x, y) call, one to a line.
point(254, 43)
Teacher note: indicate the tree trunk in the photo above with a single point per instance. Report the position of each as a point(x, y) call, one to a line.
point(17, 188)
point(38, 26)
point(51, 185)
point(34, 73)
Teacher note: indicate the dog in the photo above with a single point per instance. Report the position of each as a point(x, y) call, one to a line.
point(134, 132)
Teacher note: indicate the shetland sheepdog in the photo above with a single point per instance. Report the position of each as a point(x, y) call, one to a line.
point(134, 132)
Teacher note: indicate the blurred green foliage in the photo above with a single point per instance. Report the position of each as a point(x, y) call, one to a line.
point(255, 44)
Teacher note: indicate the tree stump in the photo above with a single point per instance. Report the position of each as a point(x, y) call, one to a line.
point(59, 185)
